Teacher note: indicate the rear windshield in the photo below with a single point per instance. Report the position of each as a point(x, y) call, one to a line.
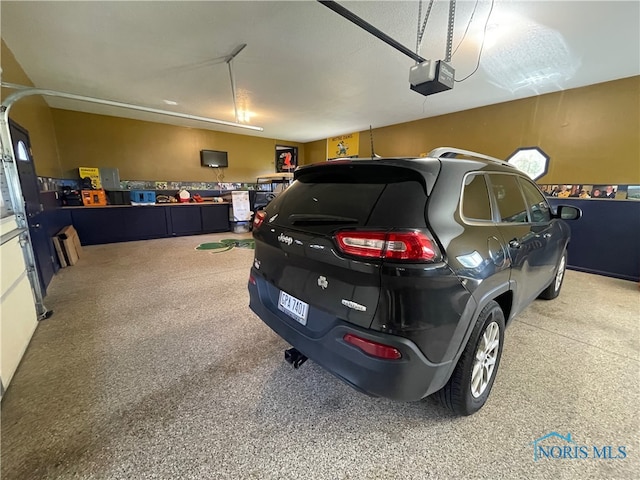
point(344, 196)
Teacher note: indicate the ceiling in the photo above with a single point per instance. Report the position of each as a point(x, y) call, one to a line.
point(306, 72)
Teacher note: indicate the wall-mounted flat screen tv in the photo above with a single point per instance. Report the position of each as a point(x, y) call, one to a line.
point(213, 158)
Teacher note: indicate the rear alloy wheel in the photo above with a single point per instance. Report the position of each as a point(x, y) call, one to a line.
point(470, 384)
point(553, 290)
point(484, 362)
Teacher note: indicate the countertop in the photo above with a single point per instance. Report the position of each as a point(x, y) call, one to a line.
point(177, 204)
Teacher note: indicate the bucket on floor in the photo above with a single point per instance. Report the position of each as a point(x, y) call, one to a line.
point(240, 227)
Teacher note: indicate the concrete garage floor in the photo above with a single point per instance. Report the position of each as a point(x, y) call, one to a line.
point(153, 367)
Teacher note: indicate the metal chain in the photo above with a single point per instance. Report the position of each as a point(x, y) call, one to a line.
point(452, 14)
point(418, 29)
point(424, 24)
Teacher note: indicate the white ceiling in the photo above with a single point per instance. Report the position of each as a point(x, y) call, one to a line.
point(307, 73)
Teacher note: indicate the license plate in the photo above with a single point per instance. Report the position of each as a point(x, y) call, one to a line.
point(293, 307)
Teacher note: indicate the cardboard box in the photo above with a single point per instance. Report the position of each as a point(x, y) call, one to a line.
point(67, 244)
point(59, 250)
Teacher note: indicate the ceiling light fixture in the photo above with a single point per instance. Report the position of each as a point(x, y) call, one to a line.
point(241, 109)
point(244, 116)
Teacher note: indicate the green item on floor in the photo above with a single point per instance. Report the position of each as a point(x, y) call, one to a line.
point(227, 244)
point(215, 246)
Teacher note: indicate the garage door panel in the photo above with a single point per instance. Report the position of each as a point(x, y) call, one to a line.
point(12, 263)
point(19, 320)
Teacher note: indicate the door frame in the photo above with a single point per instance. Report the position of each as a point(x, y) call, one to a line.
point(294, 159)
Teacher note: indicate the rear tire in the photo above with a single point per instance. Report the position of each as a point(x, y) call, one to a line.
point(470, 384)
point(553, 290)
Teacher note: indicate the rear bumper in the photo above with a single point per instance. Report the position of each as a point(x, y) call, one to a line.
point(409, 378)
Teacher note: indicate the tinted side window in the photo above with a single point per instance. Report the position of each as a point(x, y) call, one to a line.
point(538, 206)
point(508, 198)
point(475, 199)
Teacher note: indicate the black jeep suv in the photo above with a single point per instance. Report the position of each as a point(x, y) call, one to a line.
point(399, 275)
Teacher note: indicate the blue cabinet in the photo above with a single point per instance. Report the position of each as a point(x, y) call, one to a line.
point(185, 219)
point(215, 218)
point(123, 223)
point(606, 240)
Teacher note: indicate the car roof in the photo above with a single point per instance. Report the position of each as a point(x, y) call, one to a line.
point(429, 163)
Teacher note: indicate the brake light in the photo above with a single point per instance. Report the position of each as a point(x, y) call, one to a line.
point(259, 218)
point(252, 280)
point(392, 245)
point(373, 348)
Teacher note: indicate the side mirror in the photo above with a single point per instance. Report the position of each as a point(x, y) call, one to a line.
point(566, 212)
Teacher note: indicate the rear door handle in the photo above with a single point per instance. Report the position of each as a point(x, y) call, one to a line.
point(514, 243)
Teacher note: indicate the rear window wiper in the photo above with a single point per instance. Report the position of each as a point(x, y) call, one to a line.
point(316, 219)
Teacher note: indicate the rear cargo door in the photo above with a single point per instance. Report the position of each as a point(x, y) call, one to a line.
point(295, 248)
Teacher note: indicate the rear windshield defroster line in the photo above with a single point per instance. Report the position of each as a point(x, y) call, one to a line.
point(316, 219)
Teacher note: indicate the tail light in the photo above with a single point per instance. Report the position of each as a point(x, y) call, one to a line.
point(259, 218)
point(414, 245)
point(373, 348)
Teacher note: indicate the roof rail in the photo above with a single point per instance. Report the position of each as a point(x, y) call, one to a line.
point(450, 152)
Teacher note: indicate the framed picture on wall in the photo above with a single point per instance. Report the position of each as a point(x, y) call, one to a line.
point(604, 191)
point(633, 192)
point(343, 146)
point(286, 158)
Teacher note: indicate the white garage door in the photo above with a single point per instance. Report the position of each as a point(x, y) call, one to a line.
point(18, 316)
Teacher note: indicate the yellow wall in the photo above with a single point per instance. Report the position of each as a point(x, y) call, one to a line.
point(156, 151)
point(315, 152)
point(592, 134)
point(33, 114)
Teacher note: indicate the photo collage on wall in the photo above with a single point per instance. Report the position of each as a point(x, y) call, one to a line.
point(599, 191)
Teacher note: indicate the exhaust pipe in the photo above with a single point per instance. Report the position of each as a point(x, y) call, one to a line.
point(294, 357)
